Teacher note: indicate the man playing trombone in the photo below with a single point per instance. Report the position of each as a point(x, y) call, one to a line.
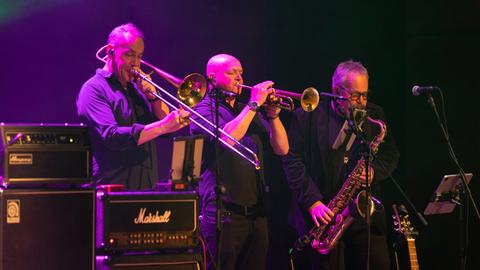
point(244, 237)
point(123, 116)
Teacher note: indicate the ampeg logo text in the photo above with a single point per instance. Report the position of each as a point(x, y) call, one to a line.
point(20, 159)
point(13, 211)
point(150, 218)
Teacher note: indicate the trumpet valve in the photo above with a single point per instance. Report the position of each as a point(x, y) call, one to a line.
point(273, 99)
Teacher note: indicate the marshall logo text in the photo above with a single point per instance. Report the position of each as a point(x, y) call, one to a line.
point(150, 218)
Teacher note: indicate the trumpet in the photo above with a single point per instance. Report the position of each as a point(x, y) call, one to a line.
point(282, 99)
point(190, 92)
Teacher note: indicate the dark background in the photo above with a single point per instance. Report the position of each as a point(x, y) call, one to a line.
point(48, 50)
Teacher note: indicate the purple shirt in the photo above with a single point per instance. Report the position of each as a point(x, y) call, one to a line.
point(115, 117)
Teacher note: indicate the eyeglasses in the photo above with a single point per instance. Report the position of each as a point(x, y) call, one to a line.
point(355, 96)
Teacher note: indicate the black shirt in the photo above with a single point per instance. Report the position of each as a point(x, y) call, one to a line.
point(243, 183)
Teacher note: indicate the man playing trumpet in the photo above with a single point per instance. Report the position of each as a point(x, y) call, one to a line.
point(123, 116)
point(244, 237)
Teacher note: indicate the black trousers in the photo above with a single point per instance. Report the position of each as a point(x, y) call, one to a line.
point(244, 240)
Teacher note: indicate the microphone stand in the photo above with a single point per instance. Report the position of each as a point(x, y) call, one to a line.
point(218, 187)
point(366, 153)
point(367, 150)
point(464, 189)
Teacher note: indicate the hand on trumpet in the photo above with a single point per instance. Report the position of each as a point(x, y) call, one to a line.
point(143, 86)
point(261, 91)
point(271, 112)
point(175, 120)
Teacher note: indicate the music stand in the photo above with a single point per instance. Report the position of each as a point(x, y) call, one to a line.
point(186, 162)
point(447, 195)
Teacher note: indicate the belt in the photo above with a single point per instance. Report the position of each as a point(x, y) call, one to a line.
point(248, 211)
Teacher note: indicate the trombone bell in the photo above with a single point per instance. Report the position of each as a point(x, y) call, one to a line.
point(192, 90)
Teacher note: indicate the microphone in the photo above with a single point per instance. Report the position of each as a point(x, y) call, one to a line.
point(332, 96)
point(418, 90)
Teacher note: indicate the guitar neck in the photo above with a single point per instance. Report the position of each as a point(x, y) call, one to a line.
point(412, 253)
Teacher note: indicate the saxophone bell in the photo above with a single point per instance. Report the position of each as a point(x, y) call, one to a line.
point(360, 204)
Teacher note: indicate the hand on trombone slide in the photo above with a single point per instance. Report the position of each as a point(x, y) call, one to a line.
point(175, 120)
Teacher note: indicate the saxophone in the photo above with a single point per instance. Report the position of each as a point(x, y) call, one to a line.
point(344, 206)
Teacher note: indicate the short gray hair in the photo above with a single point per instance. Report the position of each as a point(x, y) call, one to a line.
point(124, 33)
point(339, 78)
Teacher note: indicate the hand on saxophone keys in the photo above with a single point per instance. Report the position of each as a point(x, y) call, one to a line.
point(320, 213)
point(363, 176)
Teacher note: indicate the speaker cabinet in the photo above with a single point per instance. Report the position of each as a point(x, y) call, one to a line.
point(47, 229)
point(150, 262)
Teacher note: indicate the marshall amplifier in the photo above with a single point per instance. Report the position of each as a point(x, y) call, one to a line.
point(43, 154)
point(150, 261)
point(47, 229)
point(146, 221)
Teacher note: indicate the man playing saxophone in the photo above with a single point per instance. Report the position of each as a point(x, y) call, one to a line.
point(323, 152)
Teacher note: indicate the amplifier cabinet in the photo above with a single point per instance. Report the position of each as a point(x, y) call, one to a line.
point(47, 229)
point(134, 221)
point(37, 155)
point(150, 262)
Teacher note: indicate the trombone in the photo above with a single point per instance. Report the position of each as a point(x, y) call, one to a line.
point(309, 98)
point(191, 91)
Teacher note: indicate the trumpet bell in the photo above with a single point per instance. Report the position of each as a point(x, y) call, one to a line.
point(309, 99)
point(192, 89)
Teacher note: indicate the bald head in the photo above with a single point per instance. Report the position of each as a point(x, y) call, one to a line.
point(219, 62)
point(225, 72)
